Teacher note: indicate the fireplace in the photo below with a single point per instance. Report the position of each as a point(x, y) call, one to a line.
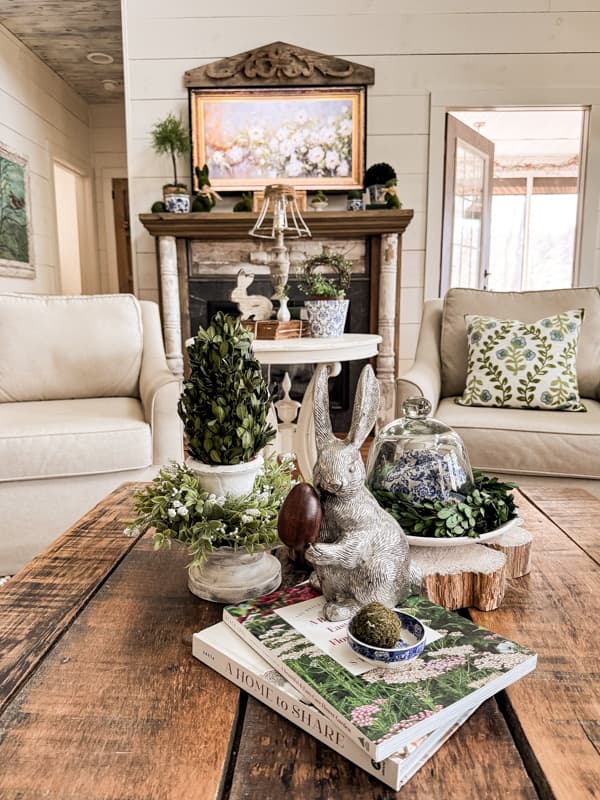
point(199, 256)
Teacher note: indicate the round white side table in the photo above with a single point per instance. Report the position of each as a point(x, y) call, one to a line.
point(300, 438)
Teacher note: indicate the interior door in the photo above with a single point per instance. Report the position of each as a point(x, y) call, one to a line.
point(120, 195)
point(467, 207)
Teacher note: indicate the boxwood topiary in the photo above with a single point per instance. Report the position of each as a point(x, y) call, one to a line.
point(225, 400)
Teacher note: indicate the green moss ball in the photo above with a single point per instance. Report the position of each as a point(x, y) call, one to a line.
point(159, 207)
point(377, 625)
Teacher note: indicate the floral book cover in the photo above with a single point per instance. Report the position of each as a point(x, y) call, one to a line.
point(381, 708)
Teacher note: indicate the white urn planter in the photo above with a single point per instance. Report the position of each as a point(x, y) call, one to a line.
point(231, 576)
point(233, 479)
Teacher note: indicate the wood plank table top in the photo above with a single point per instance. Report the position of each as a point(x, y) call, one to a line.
point(101, 699)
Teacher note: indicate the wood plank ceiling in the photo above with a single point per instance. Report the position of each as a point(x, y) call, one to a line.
point(63, 32)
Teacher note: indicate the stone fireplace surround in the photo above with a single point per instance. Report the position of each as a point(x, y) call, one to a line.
point(182, 238)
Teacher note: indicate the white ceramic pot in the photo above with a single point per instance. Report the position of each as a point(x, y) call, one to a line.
point(233, 479)
point(230, 576)
point(326, 317)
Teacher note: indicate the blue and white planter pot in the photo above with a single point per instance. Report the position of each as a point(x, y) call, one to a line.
point(177, 203)
point(408, 647)
point(326, 317)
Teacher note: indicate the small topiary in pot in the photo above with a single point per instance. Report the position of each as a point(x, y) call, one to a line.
point(225, 400)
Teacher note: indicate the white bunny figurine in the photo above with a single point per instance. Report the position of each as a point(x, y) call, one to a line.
point(250, 305)
point(362, 555)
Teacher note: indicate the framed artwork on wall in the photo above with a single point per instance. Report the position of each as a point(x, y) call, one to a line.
point(310, 138)
point(16, 257)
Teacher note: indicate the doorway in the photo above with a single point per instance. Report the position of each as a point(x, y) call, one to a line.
point(120, 198)
point(67, 222)
point(512, 198)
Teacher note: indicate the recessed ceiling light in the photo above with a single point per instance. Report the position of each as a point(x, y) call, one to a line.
point(100, 58)
point(110, 86)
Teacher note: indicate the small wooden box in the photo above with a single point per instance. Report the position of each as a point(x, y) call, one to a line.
point(273, 329)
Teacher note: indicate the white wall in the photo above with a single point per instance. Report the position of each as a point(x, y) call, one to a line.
point(42, 119)
point(109, 155)
point(418, 48)
point(67, 223)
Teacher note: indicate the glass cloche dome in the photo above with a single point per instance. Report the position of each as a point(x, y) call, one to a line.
point(419, 457)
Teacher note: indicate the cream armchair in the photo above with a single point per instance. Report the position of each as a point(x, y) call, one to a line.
point(86, 402)
point(507, 440)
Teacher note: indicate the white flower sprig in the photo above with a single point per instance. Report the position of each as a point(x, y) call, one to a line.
point(178, 509)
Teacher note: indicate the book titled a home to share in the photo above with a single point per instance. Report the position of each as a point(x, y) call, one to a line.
point(381, 709)
point(226, 653)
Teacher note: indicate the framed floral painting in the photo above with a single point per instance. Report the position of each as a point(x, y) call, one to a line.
point(309, 138)
point(16, 258)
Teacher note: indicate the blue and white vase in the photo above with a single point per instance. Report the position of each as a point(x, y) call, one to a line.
point(326, 317)
point(178, 203)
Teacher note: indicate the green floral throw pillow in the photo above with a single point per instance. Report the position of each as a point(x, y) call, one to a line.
point(523, 365)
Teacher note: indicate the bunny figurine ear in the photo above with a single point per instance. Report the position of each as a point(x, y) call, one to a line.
point(366, 407)
point(323, 430)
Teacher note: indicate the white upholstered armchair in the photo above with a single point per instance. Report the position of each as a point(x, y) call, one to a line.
point(86, 402)
point(510, 440)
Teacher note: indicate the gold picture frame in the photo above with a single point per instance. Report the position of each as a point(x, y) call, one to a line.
point(311, 138)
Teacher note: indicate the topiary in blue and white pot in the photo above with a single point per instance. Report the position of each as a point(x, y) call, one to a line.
point(326, 317)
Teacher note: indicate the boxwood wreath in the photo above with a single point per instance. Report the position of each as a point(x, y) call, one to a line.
point(487, 506)
point(315, 284)
point(179, 510)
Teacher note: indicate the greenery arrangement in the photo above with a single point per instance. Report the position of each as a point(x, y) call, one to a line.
point(379, 174)
point(318, 197)
point(179, 510)
point(245, 204)
point(170, 137)
point(225, 400)
point(488, 505)
point(315, 284)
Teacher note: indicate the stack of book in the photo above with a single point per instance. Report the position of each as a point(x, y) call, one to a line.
point(388, 721)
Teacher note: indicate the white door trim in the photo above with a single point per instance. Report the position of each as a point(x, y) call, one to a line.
point(587, 269)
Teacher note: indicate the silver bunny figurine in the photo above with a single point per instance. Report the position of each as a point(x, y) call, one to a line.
point(362, 555)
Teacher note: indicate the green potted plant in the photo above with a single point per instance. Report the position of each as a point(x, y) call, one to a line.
point(375, 180)
point(319, 201)
point(227, 536)
point(325, 279)
point(354, 200)
point(170, 137)
point(224, 407)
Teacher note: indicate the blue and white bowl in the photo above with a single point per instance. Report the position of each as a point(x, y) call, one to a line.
point(409, 646)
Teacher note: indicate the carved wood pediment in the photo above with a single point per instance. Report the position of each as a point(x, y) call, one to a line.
point(279, 64)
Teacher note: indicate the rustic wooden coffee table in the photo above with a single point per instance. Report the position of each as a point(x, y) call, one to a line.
point(100, 698)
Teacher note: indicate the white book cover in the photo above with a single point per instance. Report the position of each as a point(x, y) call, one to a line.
point(221, 649)
point(381, 709)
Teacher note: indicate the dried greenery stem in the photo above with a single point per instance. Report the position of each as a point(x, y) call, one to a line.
point(176, 506)
point(170, 136)
point(487, 506)
point(225, 400)
point(314, 283)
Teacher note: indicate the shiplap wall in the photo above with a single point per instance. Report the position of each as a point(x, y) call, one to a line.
point(41, 118)
point(417, 47)
point(109, 156)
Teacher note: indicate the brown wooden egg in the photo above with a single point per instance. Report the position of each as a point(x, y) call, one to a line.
point(300, 517)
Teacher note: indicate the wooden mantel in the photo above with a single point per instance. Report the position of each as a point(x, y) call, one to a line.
point(235, 225)
point(383, 227)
